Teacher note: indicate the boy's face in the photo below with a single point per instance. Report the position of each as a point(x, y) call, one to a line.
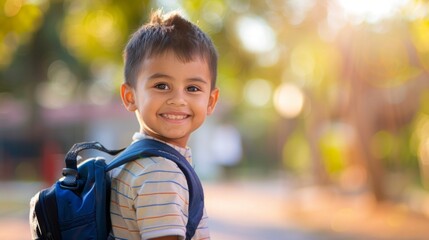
point(171, 98)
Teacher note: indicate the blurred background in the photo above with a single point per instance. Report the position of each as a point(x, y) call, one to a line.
point(322, 130)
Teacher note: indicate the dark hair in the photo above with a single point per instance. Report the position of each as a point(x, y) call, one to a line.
point(169, 32)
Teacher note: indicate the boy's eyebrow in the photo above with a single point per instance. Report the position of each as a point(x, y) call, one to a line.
point(198, 79)
point(159, 75)
point(192, 79)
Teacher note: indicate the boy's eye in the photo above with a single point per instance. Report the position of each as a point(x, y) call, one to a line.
point(193, 89)
point(162, 86)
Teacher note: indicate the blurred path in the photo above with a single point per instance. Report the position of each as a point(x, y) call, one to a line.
point(258, 211)
point(274, 210)
point(14, 205)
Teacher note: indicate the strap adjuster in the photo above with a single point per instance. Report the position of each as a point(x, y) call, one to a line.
point(70, 178)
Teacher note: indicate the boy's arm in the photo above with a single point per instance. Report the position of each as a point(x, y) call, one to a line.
point(161, 200)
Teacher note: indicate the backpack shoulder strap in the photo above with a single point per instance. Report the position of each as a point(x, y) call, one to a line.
point(149, 147)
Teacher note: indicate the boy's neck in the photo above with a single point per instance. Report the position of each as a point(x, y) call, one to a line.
point(163, 139)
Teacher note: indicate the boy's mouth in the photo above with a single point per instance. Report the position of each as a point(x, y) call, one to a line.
point(174, 116)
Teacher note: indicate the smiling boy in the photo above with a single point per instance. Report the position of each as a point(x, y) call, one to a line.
point(170, 78)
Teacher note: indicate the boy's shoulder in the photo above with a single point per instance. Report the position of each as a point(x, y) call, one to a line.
point(146, 176)
point(149, 169)
point(149, 165)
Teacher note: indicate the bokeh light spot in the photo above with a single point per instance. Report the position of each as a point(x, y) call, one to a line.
point(255, 34)
point(12, 7)
point(258, 92)
point(288, 100)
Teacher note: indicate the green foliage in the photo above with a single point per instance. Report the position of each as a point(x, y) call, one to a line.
point(296, 154)
point(336, 62)
point(333, 146)
point(18, 21)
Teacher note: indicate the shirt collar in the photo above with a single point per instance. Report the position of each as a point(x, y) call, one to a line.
point(186, 152)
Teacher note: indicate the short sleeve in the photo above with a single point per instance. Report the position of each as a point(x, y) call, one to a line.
point(161, 200)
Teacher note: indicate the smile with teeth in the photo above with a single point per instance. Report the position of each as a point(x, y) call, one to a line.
point(174, 116)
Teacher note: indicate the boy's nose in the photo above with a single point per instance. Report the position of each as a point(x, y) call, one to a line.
point(177, 98)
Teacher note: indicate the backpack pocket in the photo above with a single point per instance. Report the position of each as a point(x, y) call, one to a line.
point(83, 227)
point(43, 215)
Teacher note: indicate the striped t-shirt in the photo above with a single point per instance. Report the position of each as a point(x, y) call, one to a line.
point(149, 199)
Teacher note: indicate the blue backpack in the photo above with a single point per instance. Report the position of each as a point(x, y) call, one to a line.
point(78, 205)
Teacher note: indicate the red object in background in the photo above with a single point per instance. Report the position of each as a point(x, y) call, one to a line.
point(51, 165)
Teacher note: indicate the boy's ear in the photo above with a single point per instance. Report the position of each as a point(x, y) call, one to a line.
point(214, 95)
point(128, 97)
